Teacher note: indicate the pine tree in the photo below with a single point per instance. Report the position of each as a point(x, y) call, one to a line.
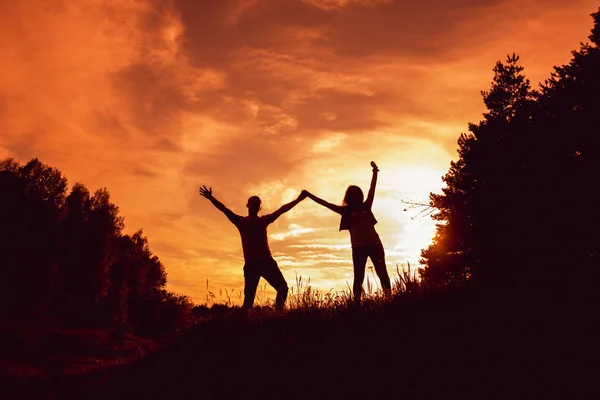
point(472, 203)
point(571, 101)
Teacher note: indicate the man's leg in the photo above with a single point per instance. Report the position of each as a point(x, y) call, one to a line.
point(359, 259)
point(251, 278)
point(377, 255)
point(273, 275)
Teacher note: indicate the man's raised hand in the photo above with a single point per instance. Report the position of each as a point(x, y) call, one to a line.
point(206, 192)
point(303, 194)
point(374, 166)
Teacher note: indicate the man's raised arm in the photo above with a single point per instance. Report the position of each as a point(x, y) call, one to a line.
point(287, 207)
point(234, 218)
point(371, 195)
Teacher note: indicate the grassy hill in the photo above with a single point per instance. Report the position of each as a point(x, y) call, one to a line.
point(444, 345)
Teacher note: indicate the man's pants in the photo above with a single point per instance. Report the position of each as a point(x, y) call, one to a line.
point(268, 269)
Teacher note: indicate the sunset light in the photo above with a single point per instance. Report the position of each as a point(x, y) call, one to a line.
point(262, 98)
point(234, 199)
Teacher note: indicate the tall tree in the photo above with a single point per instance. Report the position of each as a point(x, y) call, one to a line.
point(571, 100)
point(74, 234)
point(65, 257)
point(472, 205)
point(532, 159)
point(29, 209)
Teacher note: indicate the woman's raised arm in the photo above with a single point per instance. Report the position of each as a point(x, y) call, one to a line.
point(332, 207)
point(371, 195)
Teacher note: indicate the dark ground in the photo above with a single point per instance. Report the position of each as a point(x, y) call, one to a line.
point(445, 347)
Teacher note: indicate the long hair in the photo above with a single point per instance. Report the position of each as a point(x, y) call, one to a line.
point(347, 201)
point(350, 207)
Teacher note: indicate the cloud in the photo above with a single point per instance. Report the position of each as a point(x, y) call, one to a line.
point(330, 5)
point(154, 98)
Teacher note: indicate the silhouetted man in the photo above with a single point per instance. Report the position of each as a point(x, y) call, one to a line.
point(257, 255)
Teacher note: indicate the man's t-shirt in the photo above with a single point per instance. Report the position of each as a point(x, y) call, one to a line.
point(253, 231)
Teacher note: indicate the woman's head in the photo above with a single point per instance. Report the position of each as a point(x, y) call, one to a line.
point(354, 196)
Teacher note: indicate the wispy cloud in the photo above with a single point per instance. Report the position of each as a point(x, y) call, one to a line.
point(267, 97)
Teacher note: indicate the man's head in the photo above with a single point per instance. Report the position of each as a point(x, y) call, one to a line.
point(253, 205)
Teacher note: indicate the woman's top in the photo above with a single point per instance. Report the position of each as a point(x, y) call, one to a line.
point(361, 224)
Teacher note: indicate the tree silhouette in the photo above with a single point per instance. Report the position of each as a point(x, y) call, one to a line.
point(471, 204)
point(64, 259)
point(138, 281)
point(571, 100)
point(73, 227)
point(90, 229)
point(505, 214)
point(31, 195)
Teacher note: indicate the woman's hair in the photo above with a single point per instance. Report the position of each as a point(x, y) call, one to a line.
point(347, 197)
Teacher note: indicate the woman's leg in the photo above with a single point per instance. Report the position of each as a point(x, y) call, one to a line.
point(377, 255)
point(359, 259)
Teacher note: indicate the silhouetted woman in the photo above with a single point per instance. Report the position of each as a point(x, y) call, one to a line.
point(358, 218)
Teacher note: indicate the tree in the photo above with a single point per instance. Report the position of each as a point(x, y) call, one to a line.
point(29, 209)
point(570, 99)
point(65, 257)
point(472, 206)
point(74, 275)
point(505, 210)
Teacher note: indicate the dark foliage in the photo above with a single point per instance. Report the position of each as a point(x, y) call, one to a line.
point(65, 262)
point(517, 213)
point(517, 210)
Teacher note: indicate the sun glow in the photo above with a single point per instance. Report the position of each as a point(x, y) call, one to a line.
point(134, 97)
point(416, 236)
point(407, 228)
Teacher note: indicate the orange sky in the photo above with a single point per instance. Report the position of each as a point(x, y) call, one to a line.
point(151, 98)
